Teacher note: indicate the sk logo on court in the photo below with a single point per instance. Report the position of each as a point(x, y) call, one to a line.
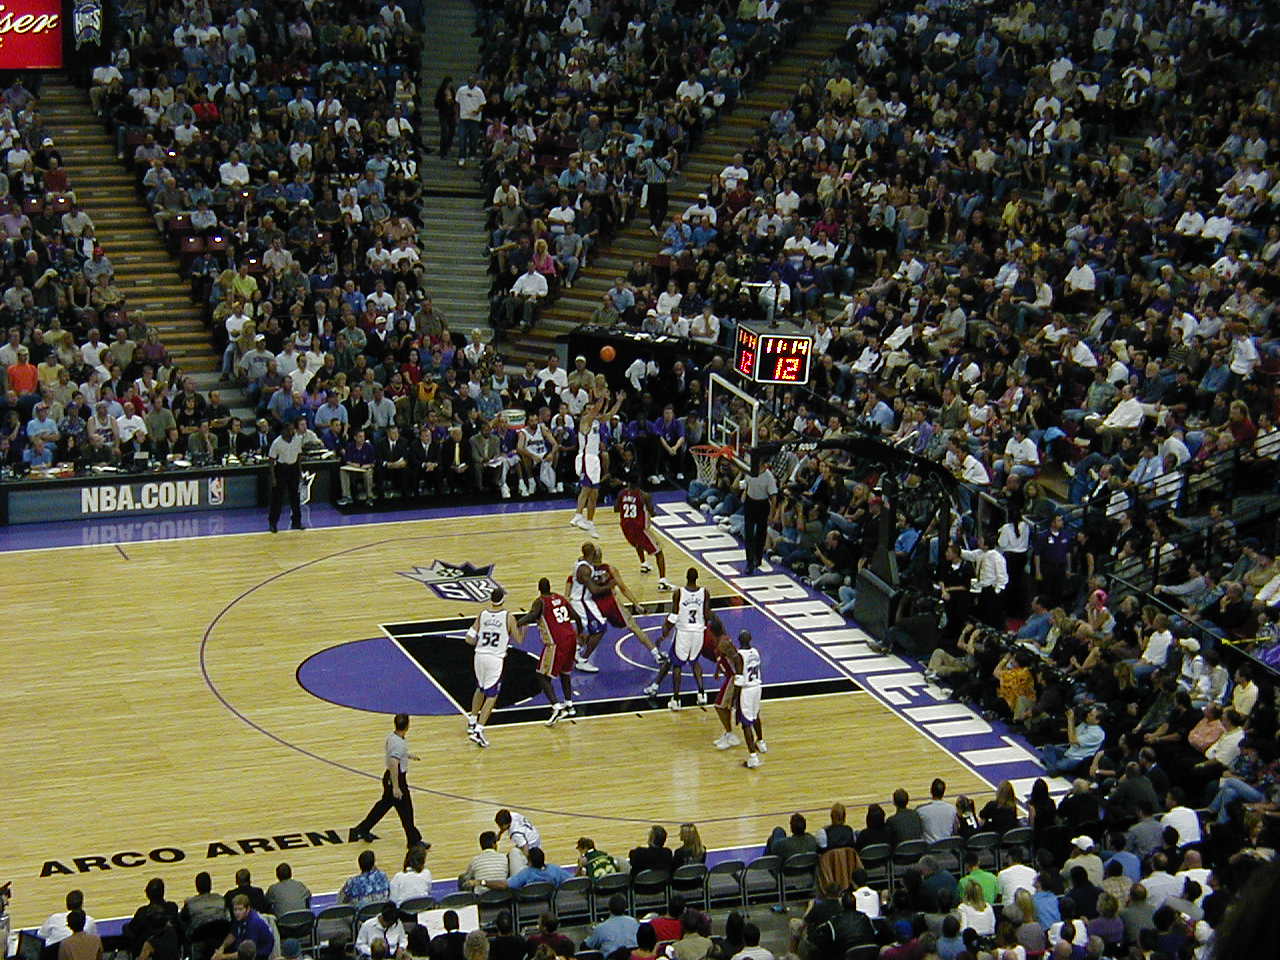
point(452, 581)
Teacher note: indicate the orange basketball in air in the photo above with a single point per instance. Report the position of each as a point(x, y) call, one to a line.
point(607, 353)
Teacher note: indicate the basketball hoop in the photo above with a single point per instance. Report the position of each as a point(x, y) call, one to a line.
point(705, 456)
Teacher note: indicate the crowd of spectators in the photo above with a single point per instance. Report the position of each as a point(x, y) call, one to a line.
point(1112, 870)
point(584, 116)
point(70, 336)
point(279, 156)
point(1121, 868)
point(1075, 316)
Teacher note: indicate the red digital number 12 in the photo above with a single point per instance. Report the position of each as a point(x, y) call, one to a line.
point(787, 368)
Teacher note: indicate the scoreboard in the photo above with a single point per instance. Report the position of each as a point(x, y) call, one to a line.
point(772, 357)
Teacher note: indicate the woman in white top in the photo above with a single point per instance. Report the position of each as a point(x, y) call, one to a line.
point(974, 911)
point(669, 301)
point(414, 880)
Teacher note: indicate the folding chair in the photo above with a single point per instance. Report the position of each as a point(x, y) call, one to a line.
point(602, 888)
point(690, 882)
point(724, 884)
point(368, 911)
point(410, 909)
point(333, 922)
point(799, 878)
point(494, 902)
point(532, 899)
point(1017, 837)
point(876, 860)
point(908, 854)
point(949, 852)
point(649, 889)
point(297, 925)
point(572, 902)
point(452, 901)
point(987, 846)
point(762, 880)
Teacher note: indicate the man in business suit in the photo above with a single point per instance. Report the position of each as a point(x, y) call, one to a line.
point(424, 462)
point(393, 463)
point(239, 443)
point(204, 442)
point(676, 386)
point(260, 440)
point(455, 463)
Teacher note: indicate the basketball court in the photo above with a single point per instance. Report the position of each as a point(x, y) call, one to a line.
point(205, 696)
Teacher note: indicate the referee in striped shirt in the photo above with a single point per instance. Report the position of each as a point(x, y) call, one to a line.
point(759, 491)
point(657, 173)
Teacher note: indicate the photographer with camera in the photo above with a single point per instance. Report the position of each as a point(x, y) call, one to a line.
point(1084, 740)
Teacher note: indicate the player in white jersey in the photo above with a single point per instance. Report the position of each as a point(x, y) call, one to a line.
point(589, 463)
point(750, 683)
point(491, 635)
point(582, 597)
point(536, 447)
point(690, 606)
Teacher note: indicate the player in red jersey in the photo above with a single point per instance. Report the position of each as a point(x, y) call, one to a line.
point(591, 587)
point(559, 625)
point(726, 699)
point(635, 512)
point(614, 612)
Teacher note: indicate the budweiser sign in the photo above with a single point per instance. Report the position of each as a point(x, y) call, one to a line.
point(30, 34)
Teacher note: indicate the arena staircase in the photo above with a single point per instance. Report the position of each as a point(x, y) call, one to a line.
point(454, 240)
point(145, 272)
point(732, 133)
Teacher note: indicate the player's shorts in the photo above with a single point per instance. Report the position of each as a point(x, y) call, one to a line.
point(488, 673)
point(688, 645)
point(639, 538)
point(557, 658)
point(724, 699)
point(588, 469)
point(608, 605)
point(749, 704)
point(588, 611)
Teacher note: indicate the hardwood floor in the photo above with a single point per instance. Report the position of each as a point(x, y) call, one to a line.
point(153, 709)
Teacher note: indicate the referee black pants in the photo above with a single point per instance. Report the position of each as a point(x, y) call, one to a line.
point(404, 807)
point(755, 522)
point(658, 204)
point(287, 478)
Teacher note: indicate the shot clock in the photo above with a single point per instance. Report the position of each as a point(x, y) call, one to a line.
point(772, 357)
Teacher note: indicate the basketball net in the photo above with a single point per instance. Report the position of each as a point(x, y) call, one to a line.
point(705, 457)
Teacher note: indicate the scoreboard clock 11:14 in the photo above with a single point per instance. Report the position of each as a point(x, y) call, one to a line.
point(772, 357)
